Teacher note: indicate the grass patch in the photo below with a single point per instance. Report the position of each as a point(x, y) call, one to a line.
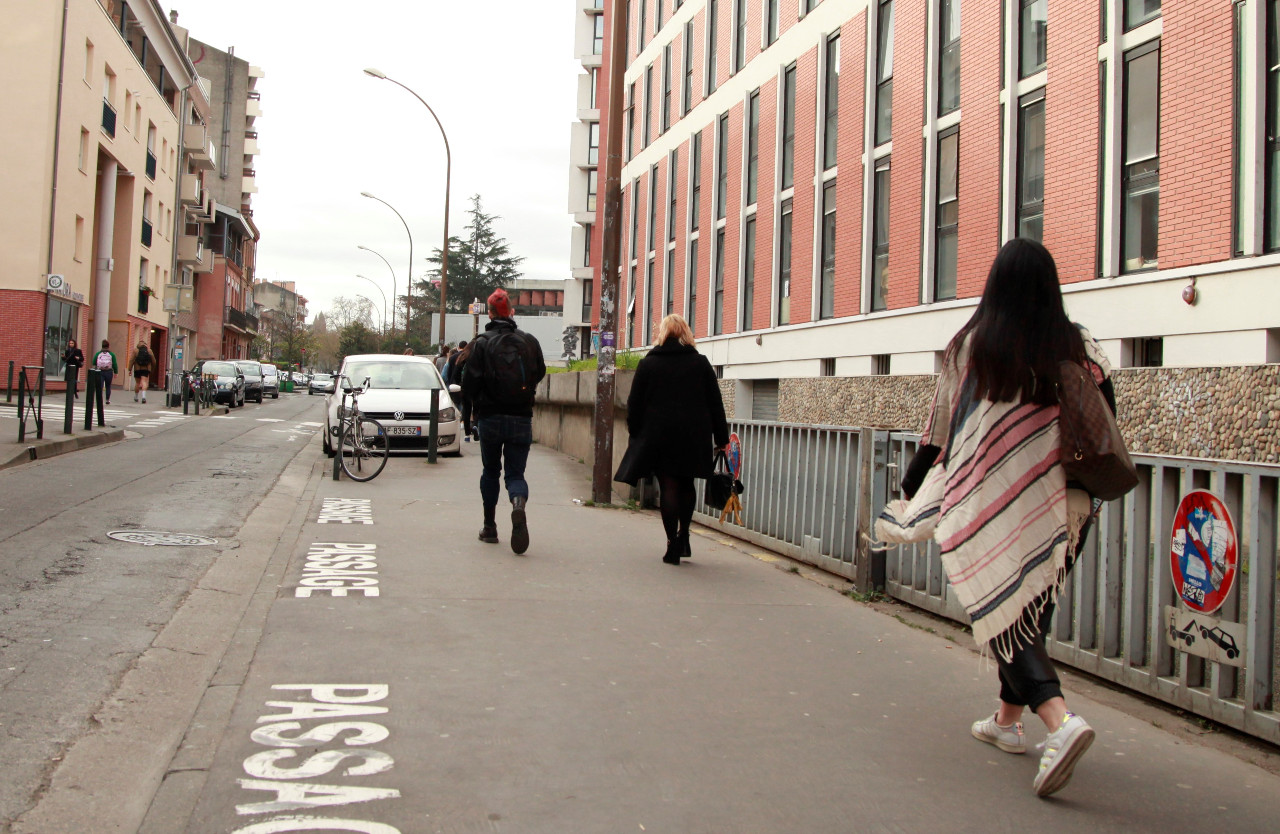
point(858, 596)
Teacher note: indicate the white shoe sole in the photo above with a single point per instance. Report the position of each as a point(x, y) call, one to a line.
point(1005, 746)
point(1056, 777)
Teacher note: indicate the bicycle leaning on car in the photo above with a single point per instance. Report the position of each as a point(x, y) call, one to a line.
point(362, 445)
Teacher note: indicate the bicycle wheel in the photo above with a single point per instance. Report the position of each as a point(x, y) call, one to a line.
point(363, 449)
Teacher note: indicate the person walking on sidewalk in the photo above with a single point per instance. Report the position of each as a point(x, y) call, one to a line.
point(141, 365)
point(453, 376)
point(1011, 525)
point(675, 416)
point(73, 358)
point(501, 377)
point(105, 361)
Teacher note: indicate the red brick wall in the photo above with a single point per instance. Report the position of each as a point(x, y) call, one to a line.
point(979, 174)
point(22, 337)
point(853, 60)
point(904, 174)
point(1196, 130)
point(1071, 141)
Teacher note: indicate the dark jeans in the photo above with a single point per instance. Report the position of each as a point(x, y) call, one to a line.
point(504, 449)
point(106, 377)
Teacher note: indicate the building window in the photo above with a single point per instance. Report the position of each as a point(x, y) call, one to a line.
point(880, 364)
point(648, 302)
point(635, 216)
point(593, 179)
point(597, 37)
point(712, 30)
point(691, 313)
point(586, 244)
point(1140, 179)
point(1271, 209)
point(827, 288)
point(1030, 187)
point(695, 176)
point(62, 322)
point(827, 367)
point(673, 164)
point(640, 33)
point(686, 103)
point(78, 252)
point(1145, 353)
point(739, 35)
point(648, 106)
point(788, 127)
point(587, 288)
point(884, 73)
point(770, 21)
point(1138, 12)
point(944, 282)
point(831, 93)
point(753, 145)
point(631, 308)
point(595, 88)
point(84, 149)
point(807, 6)
point(748, 272)
point(880, 237)
point(631, 119)
point(666, 88)
point(784, 264)
point(1033, 40)
point(717, 310)
point(593, 143)
point(657, 19)
point(652, 234)
point(722, 166)
point(948, 56)
point(669, 283)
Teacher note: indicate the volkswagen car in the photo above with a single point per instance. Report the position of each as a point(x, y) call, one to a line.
point(399, 397)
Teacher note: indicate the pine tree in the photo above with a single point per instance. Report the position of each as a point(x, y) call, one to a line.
point(478, 264)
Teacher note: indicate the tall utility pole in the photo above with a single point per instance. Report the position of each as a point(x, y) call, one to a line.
point(602, 471)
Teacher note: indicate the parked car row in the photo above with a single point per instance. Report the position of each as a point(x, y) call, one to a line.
point(236, 381)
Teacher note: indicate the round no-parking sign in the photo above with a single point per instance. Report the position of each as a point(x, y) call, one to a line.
point(1203, 557)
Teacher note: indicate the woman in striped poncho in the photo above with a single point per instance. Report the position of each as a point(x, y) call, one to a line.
point(1009, 525)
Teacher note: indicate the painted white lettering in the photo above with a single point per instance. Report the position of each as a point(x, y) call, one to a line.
point(303, 593)
point(294, 795)
point(306, 709)
point(329, 548)
point(366, 732)
point(284, 824)
point(329, 692)
point(263, 765)
point(346, 511)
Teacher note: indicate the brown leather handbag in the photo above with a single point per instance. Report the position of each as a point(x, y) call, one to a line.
point(1093, 451)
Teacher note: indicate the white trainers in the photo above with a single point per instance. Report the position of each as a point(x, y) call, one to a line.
point(1062, 749)
point(1008, 739)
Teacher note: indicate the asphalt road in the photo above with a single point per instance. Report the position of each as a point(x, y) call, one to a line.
point(77, 608)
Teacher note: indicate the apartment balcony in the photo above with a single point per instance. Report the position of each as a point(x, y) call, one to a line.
point(251, 147)
point(192, 194)
point(253, 108)
point(204, 210)
point(248, 185)
point(195, 139)
point(240, 321)
point(191, 252)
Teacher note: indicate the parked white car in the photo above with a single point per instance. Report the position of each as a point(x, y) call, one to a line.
point(398, 397)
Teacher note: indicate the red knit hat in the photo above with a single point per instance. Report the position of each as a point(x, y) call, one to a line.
point(500, 303)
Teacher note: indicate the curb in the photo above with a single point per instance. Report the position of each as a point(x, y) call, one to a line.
point(52, 447)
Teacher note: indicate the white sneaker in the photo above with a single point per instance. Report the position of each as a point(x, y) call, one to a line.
point(1062, 749)
point(1008, 739)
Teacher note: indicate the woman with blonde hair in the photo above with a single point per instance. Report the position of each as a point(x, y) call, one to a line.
point(675, 417)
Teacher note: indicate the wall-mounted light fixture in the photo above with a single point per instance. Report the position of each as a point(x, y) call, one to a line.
point(1189, 293)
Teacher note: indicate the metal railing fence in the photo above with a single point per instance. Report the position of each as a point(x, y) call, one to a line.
point(811, 491)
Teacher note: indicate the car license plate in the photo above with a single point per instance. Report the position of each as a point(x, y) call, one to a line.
point(411, 431)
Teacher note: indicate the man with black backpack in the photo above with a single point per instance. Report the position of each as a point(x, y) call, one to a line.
point(500, 378)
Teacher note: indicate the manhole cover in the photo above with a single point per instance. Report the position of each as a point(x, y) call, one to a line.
point(151, 538)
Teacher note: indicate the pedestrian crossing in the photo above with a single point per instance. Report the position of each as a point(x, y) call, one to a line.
point(158, 419)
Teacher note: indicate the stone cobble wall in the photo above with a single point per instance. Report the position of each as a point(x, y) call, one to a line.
point(1230, 413)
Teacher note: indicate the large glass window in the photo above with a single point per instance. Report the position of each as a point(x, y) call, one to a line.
point(739, 35)
point(884, 73)
point(653, 208)
point(948, 56)
point(770, 21)
point(1033, 37)
point(722, 166)
point(62, 323)
point(717, 310)
point(784, 264)
point(827, 288)
point(586, 244)
point(713, 29)
point(1030, 189)
point(691, 313)
point(1138, 12)
point(831, 92)
point(788, 126)
point(1140, 219)
point(1271, 209)
point(588, 287)
point(593, 143)
point(686, 102)
point(666, 87)
point(748, 271)
point(695, 174)
point(673, 163)
point(640, 33)
point(597, 38)
point(631, 119)
point(669, 283)
point(648, 302)
point(635, 217)
point(593, 187)
point(880, 237)
point(948, 219)
point(753, 145)
point(648, 106)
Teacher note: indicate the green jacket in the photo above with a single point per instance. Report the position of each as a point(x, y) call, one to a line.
point(94, 363)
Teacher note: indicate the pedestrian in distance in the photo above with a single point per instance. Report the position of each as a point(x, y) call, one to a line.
point(73, 358)
point(1011, 525)
point(141, 365)
point(105, 361)
point(501, 377)
point(453, 376)
point(675, 419)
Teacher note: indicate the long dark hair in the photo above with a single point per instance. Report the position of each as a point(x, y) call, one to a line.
point(1020, 330)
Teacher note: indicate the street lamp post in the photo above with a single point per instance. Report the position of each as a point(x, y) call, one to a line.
point(408, 292)
point(393, 289)
point(448, 174)
point(384, 299)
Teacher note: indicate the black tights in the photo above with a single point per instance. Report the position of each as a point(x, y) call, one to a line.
point(677, 501)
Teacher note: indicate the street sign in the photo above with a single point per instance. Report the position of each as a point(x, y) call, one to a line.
point(1204, 636)
point(606, 340)
point(479, 308)
point(1203, 556)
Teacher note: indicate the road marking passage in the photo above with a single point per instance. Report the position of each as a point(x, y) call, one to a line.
point(334, 568)
point(157, 419)
point(346, 511)
point(283, 733)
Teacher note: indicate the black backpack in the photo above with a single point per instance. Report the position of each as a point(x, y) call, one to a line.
point(511, 372)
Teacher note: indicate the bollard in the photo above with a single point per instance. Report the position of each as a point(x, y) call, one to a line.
point(91, 382)
point(337, 455)
point(100, 387)
point(186, 393)
point(433, 434)
point(8, 391)
point(68, 411)
point(22, 406)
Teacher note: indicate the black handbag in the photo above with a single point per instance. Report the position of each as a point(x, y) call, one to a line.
point(1092, 451)
point(632, 467)
point(720, 483)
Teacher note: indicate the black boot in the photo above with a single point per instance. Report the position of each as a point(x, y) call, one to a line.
point(519, 526)
point(489, 532)
point(683, 541)
point(672, 556)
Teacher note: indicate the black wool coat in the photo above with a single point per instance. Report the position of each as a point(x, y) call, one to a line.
point(675, 412)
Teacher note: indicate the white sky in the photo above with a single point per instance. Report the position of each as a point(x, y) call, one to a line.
point(501, 76)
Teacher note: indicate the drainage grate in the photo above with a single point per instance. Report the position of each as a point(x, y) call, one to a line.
point(151, 538)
